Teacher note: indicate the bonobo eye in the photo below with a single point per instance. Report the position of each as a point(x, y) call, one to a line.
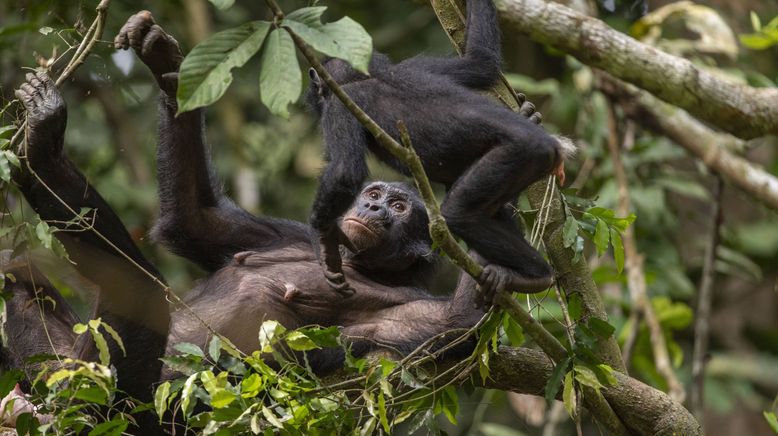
point(399, 206)
point(373, 195)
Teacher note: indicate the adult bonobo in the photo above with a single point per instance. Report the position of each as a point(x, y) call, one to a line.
point(484, 153)
point(260, 267)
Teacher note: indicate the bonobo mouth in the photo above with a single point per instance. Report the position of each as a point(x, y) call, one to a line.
point(361, 235)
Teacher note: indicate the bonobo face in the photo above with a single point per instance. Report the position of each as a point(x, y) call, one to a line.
point(383, 215)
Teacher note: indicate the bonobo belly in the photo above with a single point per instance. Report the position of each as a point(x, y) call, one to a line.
point(285, 285)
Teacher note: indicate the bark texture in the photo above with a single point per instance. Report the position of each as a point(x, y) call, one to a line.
point(742, 110)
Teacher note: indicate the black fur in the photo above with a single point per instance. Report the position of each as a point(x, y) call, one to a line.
point(484, 153)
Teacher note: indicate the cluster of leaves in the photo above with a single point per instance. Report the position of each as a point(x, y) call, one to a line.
point(225, 392)
point(73, 396)
point(206, 70)
point(598, 224)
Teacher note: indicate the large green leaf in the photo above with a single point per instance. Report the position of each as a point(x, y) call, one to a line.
point(280, 81)
point(345, 39)
point(206, 70)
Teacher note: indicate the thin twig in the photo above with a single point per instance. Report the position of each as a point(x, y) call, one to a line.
point(702, 317)
point(633, 263)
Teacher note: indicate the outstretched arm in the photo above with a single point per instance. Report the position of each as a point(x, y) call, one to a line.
point(131, 297)
point(479, 66)
point(196, 220)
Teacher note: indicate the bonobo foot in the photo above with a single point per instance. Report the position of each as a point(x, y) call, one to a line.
point(527, 109)
point(496, 278)
point(158, 50)
point(46, 116)
point(331, 261)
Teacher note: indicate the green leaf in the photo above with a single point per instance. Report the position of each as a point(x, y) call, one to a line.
point(575, 306)
point(586, 377)
point(756, 23)
point(215, 348)
point(222, 5)
point(222, 398)
point(206, 71)
point(115, 335)
point(94, 395)
point(250, 386)
point(101, 344)
point(344, 39)
point(187, 394)
point(382, 412)
point(756, 41)
point(271, 418)
point(601, 237)
point(7, 158)
point(570, 231)
point(552, 387)
point(6, 129)
point(79, 328)
point(43, 232)
point(113, 427)
point(513, 330)
point(267, 334)
point(160, 399)
point(190, 349)
point(300, 342)
point(280, 80)
point(568, 394)
point(618, 249)
point(600, 327)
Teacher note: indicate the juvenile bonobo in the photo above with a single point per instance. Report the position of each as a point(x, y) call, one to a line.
point(484, 153)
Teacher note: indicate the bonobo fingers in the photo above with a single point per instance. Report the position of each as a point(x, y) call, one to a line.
point(521, 98)
point(44, 104)
point(536, 118)
point(158, 50)
point(496, 278)
point(332, 263)
point(527, 109)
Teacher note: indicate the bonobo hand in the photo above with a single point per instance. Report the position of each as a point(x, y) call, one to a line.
point(329, 256)
point(527, 109)
point(158, 50)
point(46, 116)
point(496, 278)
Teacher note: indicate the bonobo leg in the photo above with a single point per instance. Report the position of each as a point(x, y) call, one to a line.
point(474, 210)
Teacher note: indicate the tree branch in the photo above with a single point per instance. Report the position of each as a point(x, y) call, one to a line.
point(697, 138)
point(742, 110)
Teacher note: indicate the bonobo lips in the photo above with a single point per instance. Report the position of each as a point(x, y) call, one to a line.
point(361, 234)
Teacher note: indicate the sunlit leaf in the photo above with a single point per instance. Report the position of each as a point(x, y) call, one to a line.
point(160, 399)
point(569, 395)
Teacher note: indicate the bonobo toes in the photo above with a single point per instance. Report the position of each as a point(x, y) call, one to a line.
point(496, 278)
point(46, 115)
point(331, 261)
point(158, 50)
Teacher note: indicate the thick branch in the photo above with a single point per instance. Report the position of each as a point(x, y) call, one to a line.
point(739, 109)
point(697, 138)
point(643, 409)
